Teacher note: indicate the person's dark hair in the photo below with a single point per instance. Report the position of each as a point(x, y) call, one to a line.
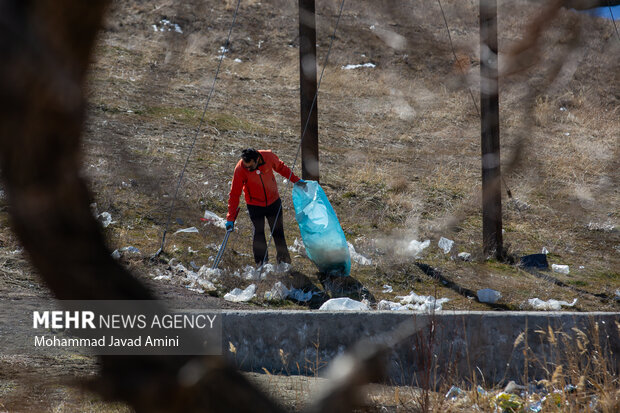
point(249, 154)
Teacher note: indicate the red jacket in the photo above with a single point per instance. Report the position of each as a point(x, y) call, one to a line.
point(260, 185)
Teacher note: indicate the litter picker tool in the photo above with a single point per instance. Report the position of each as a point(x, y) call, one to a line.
point(218, 257)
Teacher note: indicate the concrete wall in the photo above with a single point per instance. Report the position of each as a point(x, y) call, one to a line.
point(458, 345)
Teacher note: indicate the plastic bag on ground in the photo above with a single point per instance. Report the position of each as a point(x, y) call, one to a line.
point(556, 305)
point(343, 304)
point(487, 295)
point(238, 295)
point(320, 230)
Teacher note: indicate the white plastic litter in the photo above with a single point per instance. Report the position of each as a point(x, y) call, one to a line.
point(210, 274)
point(298, 248)
point(556, 305)
point(358, 258)
point(618, 295)
point(130, 249)
point(415, 248)
point(238, 295)
point(487, 295)
point(278, 293)
point(562, 269)
point(105, 218)
point(116, 254)
point(214, 219)
point(413, 302)
point(349, 67)
point(465, 256)
point(187, 230)
point(387, 289)
point(343, 304)
point(544, 251)
point(445, 244)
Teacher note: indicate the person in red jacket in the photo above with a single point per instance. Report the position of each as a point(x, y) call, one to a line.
point(254, 174)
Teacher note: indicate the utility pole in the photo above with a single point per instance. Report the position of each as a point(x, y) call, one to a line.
point(307, 90)
point(489, 107)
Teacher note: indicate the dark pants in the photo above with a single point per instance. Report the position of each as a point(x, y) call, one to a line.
point(258, 215)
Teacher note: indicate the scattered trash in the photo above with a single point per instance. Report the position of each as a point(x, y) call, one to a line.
point(445, 244)
point(454, 393)
point(465, 256)
point(193, 265)
point(387, 289)
point(535, 407)
point(415, 248)
point(118, 253)
point(487, 295)
point(187, 230)
point(562, 269)
point(534, 261)
point(509, 402)
point(358, 258)
point(237, 60)
point(413, 302)
point(298, 248)
point(278, 293)
point(166, 26)
point(545, 250)
point(481, 391)
point(130, 249)
point(618, 295)
point(238, 295)
point(604, 227)
point(105, 218)
point(349, 67)
point(213, 219)
point(299, 295)
point(343, 304)
point(553, 305)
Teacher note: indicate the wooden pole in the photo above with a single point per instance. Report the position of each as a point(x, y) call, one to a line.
point(308, 89)
point(489, 106)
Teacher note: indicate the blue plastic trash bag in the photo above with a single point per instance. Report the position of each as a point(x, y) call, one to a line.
point(320, 230)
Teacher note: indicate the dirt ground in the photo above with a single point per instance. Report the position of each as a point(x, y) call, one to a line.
point(399, 155)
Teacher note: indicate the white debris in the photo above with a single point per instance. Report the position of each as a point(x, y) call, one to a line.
point(544, 251)
point(213, 219)
point(166, 26)
point(187, 230)
point(130, 249)
point(604, 227)
point(192, 280)
point(562, 269)
point(210, 274)
point(278, 293)
point(349, 67)
point(487, 295)
point(554, 305)
point(387, 289)
point(618, 295)
point(415, 248)
point(413, 302)
point(237, 60)
point(105, 218)
point(343, 304)
point(298, 248)
point(465, 256)
point(251, 273)
point(358, 258)
point(238, 295)
point(445, 244)
point(116, 254)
